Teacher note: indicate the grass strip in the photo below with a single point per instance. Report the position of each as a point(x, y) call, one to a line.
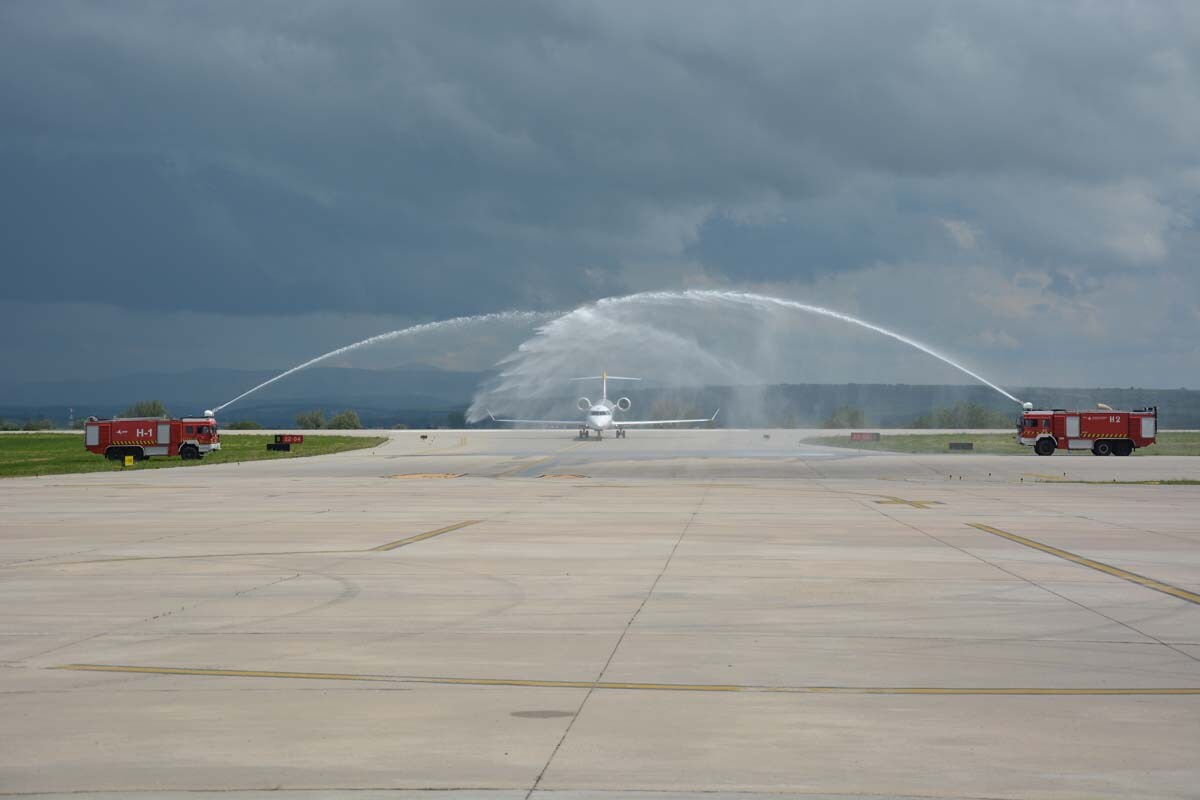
point(28, 454)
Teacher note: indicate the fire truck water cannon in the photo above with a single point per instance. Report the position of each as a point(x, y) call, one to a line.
point(188, 438)
point(1105, 432)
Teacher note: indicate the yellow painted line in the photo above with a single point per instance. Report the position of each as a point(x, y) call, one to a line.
point(562, 476)
point(462, 442)
point(197, 555)
point(222, 673)
point(632, 686)
point(1107, 569)
point(425, 475)
point(115, 486)
point(422, 536)
point(546, 684)
point(508, 473)
point(1043, 477)
point(381, 548)
point(898, 501)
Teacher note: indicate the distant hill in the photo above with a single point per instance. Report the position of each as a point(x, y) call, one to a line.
point(205, 388)
point(420, 396)
point(898, 405)
point(378, 395)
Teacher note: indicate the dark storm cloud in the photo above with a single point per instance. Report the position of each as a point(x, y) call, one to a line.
point(456, 155)
point(432, 159)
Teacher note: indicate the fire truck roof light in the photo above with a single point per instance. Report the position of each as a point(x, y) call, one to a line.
point(208, 412)
point(1028, 406)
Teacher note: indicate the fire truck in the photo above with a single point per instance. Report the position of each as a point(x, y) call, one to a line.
point(1105, 432)
point(142, 437)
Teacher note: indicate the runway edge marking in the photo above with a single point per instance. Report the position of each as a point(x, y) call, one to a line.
point(633, 686)
point(1099, 566)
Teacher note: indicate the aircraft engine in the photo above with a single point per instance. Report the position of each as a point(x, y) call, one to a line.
point(583, 404)
point(624, 404)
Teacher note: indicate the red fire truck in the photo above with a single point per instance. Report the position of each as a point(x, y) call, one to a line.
point(1104, 432)
point(142, 437)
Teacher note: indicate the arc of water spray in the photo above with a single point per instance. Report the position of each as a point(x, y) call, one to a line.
point(699, 294)
point(427, 327)
point(759, 300)
point(750, 297)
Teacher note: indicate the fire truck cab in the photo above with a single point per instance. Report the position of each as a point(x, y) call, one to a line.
point(1104, 432)
point(142, 437)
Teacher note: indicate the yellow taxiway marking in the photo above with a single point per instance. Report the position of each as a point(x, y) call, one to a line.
point(422, 536)
point(508, 473)
point(114, 486)
point(381, 548)
point(1107, 569)
point(198, 555)
point(425, 475)
point(1043, 477)
point(461, 443)
point(563, 476)
point(632, 686)
point(898, 501)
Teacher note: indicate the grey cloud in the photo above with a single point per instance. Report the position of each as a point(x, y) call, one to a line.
point(429, 160)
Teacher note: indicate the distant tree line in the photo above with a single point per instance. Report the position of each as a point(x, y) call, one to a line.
point(315, 420)
point(846, 417)
point(964, 415)
point(146, 408)
point(41, 424)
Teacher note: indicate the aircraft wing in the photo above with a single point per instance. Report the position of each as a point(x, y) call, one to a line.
point(631, 423)
point(574, 423)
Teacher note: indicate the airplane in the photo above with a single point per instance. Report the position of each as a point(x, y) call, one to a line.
point(600, 416)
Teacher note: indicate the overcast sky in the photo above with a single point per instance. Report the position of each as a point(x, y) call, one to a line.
point(248, 185)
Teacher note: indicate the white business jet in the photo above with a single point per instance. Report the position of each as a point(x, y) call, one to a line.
point(600, 416)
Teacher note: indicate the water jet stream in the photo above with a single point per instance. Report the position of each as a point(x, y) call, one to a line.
point(751, 298)
point(525, 372)
point(414, 330)
point(647, 298)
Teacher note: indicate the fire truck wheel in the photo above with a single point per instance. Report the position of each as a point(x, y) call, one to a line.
point(189, 452)
point(1102, 448)
point(1123, 448)
point(1044, 447)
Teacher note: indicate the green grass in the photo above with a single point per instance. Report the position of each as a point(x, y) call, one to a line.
point(58, 453)
point(1168, 444)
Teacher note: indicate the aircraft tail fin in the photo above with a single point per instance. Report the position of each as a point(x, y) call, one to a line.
point(604, 378)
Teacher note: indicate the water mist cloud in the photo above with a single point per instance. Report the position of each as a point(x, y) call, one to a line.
point(677, 339)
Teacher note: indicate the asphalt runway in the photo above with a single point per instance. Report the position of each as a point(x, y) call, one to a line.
point(497, 614)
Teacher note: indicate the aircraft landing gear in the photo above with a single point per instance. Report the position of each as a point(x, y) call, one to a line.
point(621, 433)
point(584, 433)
